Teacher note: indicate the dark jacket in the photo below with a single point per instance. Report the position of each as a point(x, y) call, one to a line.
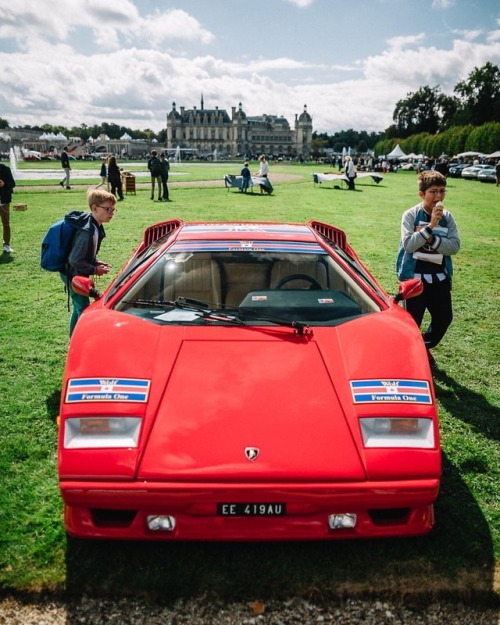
point(114, 173)
point(165, 166)
point(154, 166)
point(86, 243)
point(8, 186)
point(65, 159)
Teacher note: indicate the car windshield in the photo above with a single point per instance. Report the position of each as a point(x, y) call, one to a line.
point(248, 287)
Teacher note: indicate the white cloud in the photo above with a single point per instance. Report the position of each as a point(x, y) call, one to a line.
point(397, 43)
point(442, 4)
point(301, 3)
point(108, 22)
point(132, 72)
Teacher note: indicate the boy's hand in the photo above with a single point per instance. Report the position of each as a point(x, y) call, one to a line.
point(436, 215)
point(102, 268)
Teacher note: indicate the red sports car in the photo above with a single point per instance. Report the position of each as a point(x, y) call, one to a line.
point(247, 381)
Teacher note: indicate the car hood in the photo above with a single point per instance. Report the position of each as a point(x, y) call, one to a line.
point(250, 407)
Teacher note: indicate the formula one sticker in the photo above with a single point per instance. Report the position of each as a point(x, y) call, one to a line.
point(390, 391)
point(108, 390)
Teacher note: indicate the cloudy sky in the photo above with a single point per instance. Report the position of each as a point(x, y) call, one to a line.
point(74, 62)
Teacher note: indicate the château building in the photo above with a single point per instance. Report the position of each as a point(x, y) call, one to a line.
point(209, 132)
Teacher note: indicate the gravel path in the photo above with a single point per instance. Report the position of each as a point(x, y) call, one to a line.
point(87, 611)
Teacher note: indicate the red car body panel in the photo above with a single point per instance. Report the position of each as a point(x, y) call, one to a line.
point(218, 390)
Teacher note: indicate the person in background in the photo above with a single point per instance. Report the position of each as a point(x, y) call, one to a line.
point(82, 260)
point(67, 168)
point(497, 172)
point(350, 172)
point(115, 178)
point(429, 238)
point(165, 168)
point(246, 177)
point(154, 166)
point(7, 184)
point(263, 171)
point(104, 175)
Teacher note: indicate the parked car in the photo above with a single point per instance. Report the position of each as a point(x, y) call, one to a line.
point(247, 381)
point(471, 173)
point(488, 174)
point(409, 166)
point(457, 168)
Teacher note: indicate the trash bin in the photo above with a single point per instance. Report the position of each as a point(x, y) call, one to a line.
point(128, 182)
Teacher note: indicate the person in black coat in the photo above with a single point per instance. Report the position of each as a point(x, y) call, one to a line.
point(66, 166)
point(115, 178)
point(165, 167)
point(7, 184)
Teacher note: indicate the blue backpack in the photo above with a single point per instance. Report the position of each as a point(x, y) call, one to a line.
point(56, 245)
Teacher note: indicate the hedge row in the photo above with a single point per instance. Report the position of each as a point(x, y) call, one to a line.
point(484, 139)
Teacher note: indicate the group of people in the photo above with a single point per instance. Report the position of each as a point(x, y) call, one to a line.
point(429, 239)
point(159, 168)
point(111, 175)
point(246, 176)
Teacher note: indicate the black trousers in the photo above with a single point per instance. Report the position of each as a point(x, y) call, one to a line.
point(164, 184)
point(436, 298)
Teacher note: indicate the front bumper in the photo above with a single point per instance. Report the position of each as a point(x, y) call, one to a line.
point(120, 510)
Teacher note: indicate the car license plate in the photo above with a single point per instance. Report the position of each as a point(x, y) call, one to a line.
point(251, 509)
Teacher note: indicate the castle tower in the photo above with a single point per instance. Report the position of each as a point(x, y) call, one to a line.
point(303, 133)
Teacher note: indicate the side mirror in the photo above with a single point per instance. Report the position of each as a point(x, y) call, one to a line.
point(85, 286)
point(409, 288)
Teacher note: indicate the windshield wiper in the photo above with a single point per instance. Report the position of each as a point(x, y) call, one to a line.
point(255, 315)
point(239, 315)
point(184, 303)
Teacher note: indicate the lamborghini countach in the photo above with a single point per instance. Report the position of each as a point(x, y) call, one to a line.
point(247, 381)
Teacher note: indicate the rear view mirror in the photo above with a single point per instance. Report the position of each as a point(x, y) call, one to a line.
point(409, 288)
point(85, 286)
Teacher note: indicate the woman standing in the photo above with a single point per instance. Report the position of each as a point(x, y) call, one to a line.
point(263, 171)
point(350, 172)
point(115, 178)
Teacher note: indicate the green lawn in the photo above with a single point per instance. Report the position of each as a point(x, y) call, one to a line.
point(458, 559)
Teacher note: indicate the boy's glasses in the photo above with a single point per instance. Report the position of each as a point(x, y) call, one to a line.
point(109, 209)
point(436, 191)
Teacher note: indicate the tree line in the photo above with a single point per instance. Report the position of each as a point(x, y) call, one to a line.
point(84, 132)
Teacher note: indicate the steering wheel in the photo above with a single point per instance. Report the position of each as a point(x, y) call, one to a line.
point(300, 276)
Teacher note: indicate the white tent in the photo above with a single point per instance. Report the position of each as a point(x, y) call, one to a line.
point(471, 153)
point(494, 154)
point(396, 153)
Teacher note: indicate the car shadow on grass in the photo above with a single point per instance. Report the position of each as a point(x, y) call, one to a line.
point(467, 405)
point(454, 562)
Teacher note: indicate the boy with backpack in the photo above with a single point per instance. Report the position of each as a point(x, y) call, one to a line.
point(429, 239)
point(154, 166)
point(72, 244)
